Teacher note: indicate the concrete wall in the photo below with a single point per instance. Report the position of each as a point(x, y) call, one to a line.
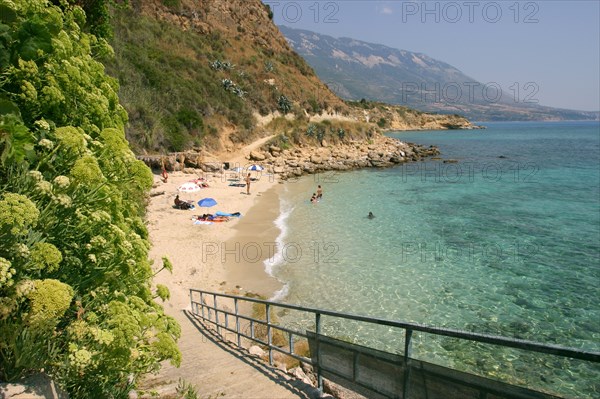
point(376, 374)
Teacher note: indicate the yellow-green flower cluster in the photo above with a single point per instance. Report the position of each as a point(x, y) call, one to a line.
point(17, 213)
point(75, 275)
point(71, 139)
point(6, 273)
point(62, 181)
point(79, 358)
point(45, 256)
point(49, 300)
point(42, 125)
point(87, 172)
point(48, 144)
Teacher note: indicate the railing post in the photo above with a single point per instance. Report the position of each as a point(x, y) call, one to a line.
point(216, 313)
point(202, 305)
point(269, 337)
point(318, 350)
point(407, 348)
point(237, 322)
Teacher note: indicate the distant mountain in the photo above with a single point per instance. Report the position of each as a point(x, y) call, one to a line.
point(354, 69)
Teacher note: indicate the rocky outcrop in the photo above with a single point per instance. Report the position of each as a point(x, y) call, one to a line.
point(379, 151)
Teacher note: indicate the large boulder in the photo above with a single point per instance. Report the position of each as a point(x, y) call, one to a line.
point(324, 152)
point(210, 166)
point(256, 351)
point(274, 149)
point(373, 155)
point(257, 156)
point(308, 167)
point(316, 159)
point(38, 386)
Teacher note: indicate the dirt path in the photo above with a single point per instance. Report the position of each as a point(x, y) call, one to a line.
point(220, 369)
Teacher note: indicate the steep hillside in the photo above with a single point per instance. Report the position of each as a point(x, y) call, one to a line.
point(190, 70)
point(355, 69)
point(213, 74)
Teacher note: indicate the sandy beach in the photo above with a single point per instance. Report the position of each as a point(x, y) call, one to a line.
point(225, 257)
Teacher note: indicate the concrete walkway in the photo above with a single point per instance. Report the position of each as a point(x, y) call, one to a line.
point(220, 369)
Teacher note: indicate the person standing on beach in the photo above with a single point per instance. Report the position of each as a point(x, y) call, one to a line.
point(319, 192)
point(164, 174)
point(248, 184)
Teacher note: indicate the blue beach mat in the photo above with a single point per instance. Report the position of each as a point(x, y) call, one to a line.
point(233, 215)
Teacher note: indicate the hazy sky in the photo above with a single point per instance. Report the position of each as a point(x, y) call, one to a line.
point(547, 50)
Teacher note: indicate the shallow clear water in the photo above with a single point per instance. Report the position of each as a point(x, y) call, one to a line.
point(506, 241)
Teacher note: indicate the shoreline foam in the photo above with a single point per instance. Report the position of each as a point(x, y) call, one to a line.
point(254, 243)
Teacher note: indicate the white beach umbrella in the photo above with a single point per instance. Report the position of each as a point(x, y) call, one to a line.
point(188, 187)
point(256, 168)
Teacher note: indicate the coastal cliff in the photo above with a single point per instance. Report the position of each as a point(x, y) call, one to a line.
point(206, 75)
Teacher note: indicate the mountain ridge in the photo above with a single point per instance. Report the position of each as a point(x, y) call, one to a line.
point(357, 69)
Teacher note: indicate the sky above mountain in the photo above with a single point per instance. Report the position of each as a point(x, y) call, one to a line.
point(547, 51)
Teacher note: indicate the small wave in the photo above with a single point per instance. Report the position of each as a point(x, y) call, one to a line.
point(281, 223)
point(280, 294)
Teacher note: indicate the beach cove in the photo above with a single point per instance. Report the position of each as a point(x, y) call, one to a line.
point(431, 236)
point(232, 257)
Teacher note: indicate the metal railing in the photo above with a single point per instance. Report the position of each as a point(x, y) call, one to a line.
point(205, 311)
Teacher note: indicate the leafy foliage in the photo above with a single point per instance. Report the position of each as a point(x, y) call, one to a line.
point(75, 280)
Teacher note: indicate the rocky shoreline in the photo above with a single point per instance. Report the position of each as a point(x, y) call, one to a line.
point(379, 151)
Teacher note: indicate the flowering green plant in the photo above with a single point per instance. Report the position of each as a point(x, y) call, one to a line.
point(76, 297)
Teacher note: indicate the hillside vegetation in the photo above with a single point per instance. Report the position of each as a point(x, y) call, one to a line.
point(190, 70)
point(194, 74)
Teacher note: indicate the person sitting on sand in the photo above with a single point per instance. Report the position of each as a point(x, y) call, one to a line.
point(371, 216)
point(313, 199)
point(179, 204)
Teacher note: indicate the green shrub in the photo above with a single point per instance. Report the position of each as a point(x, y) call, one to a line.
point(284, 104)
point(75, 282)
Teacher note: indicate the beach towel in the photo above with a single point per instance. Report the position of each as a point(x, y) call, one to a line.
point(202, 222)
point(237, 184)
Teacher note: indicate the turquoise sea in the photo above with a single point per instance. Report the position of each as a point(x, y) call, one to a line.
point(505, 241)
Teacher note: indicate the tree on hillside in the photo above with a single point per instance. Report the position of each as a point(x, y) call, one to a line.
point(75, 281)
